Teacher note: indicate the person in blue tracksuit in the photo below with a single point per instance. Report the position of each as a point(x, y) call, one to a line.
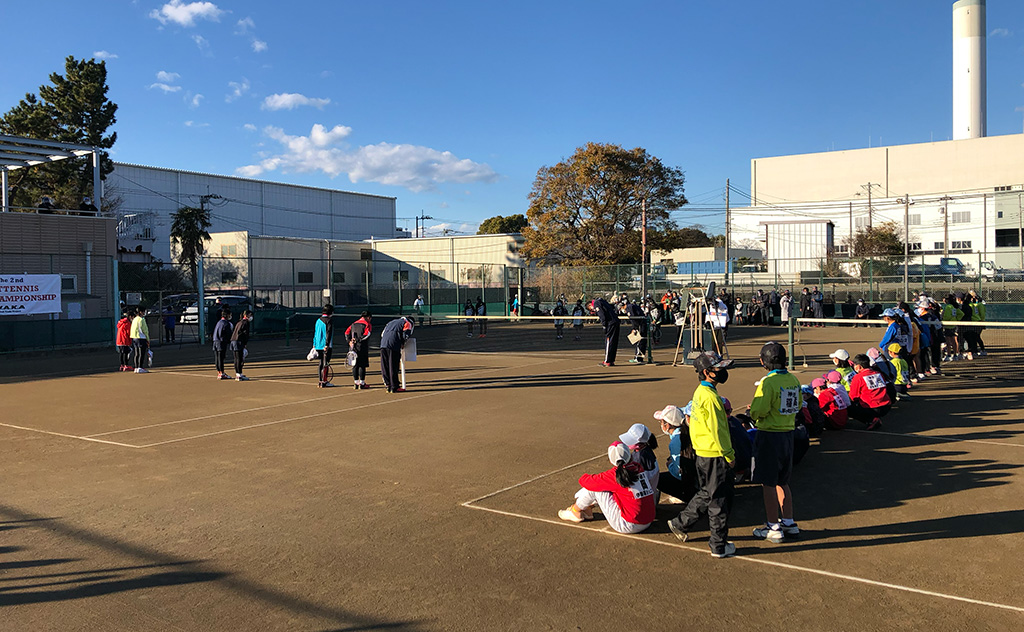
point(323, 342)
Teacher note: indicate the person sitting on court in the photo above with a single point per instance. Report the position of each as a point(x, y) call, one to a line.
point(680, 480)
point(810, 416)
point(641, 441)
point(869, 398)
point(841, 360)
point(902, 381)
point(832, 409)
point(622, 493)
point(742, 442)
point(881, 362)
point(323, 343)
point(709, 433)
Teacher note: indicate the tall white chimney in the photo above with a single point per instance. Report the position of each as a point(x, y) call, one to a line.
point(969, 84)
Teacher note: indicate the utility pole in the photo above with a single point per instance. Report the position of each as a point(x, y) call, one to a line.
point(1020, 231)
point(421, 218)
point(728, 261)
point(870, 210)
point(945, 225)
point(643, 248)
point(906, 248)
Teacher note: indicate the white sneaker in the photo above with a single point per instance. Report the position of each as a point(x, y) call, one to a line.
point(141, 371)
point(728, 551)
point(770, 534)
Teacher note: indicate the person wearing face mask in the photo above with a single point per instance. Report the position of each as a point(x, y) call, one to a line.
point(862, 312)
point(709, 436)
point(559, 322)
point(773, 409)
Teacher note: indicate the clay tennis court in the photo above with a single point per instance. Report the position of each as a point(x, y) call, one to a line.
point(174, 501)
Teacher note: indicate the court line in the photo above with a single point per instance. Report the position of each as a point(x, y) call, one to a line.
point(258, 408)
point(305, 381)
point(756, 560)
point(344, 410)
point(68, 436)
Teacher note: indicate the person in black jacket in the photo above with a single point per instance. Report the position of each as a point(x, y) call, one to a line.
point(805, 304)
point(609, 319)
point(221, 340)
point(239, 339)
point(638, 320)
point(392, 339)
point(358, 336)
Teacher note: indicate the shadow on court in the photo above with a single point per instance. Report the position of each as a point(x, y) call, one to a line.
point(157, 570)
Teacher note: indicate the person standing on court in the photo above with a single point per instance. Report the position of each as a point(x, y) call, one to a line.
point(239, 340)
point(817, 304)
point(417, 305)
point(392, 339)
point(358, 336)
point(470, 312)
point(140, 340)
point(323, 342)
point(709, 436)
point(481, 310)
point(221, 341)
point(609, 319)
point(638, 320)
point(805, 304)
point(776, 402)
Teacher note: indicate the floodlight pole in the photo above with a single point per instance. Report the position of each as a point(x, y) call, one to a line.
point(643, 248)
point(906, 248)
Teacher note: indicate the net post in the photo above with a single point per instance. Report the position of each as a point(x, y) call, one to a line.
point(789, 343)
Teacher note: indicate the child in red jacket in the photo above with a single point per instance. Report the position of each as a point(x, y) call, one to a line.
point(833, 408)
point(124, 340)
point(868, 393)
point(623, 494)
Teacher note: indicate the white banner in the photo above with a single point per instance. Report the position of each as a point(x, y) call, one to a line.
point(29, 294)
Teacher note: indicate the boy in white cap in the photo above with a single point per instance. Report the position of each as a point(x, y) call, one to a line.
point(709, 433)
point(680, 480)
point(841, 359)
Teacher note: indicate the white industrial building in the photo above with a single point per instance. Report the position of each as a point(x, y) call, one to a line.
point(150, 195)
point(959, 198)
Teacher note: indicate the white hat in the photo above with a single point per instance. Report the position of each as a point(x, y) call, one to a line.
point(840, 354)
point(637, 434)
point(619, 452)
point(670, 415)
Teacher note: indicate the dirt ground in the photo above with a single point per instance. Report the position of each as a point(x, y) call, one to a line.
point(174, 501)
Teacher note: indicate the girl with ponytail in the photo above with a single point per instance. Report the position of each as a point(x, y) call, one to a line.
point(623, 494)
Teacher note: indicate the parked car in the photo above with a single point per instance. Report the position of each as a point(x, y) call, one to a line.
point(236, 302)
point(174, 304)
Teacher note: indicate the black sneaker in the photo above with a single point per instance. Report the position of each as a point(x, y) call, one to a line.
point(727, 551)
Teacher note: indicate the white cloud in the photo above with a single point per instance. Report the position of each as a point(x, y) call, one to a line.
point(249, 127)
point(290, 101)
point(194, 124)
point(999, 33)
point(449, 228)
point(201, 42)
point(167, 77)
point(102, 54)
point(183, 14)
point(443, 205)
point(258, 46)
point(414, 167)
point(324, 74)
point(165, 87)
point(193, 100)
point(238, 88)
point(244, 25)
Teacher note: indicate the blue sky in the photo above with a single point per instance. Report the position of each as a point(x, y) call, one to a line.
point(451, 107)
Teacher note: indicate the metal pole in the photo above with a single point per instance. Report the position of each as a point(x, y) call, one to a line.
point(643, 247)
point(906, 248)
point(97, 182)
point(399, 288)
point(117, 294)
point(430, 302)
point(728, 236)
point(519, 290)
point(1020, 231)
point(3, 184)
point(366, 276)
point(791, 325)
point(458, 303)
point(504, 274)
point(201, 306)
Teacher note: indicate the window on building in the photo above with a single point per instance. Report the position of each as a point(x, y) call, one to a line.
point(860, 223)
point(842, 249)
point(914, 220)
point(939, 245)
point(961, 245)
point(915, 247)
point(228, 277)
point(338, 277)
point(366, 277)
point(68, 284)
point(1007, 238)
point(304, 277)
point(401, 275)
point(229, 251)
point(999, 215)
point(960, 217)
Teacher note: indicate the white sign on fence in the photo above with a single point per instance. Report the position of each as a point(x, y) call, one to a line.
point(29, 294)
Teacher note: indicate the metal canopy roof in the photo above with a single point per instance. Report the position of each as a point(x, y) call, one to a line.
point(18, 152)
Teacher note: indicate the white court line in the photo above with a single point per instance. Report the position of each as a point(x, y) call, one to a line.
point(298, 381)
point(344, 410)
point(951, 439)
point(561, 523)
point(60, 434)
point(756, 560)
point(258, 408)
